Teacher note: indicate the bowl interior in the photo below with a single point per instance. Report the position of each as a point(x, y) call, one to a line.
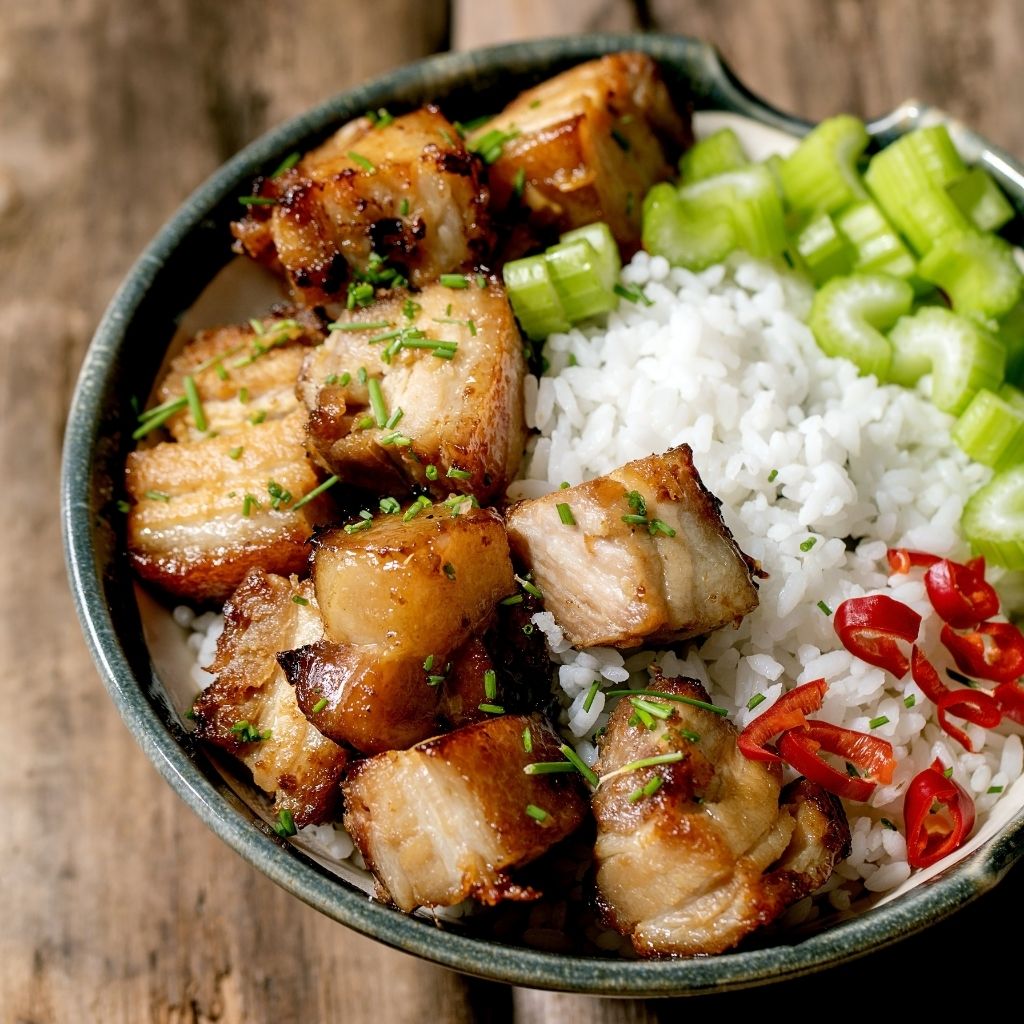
point(140, 651)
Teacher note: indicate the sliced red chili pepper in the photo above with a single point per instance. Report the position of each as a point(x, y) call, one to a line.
point(1010, 698)
point(800, 749)
point(787, 712)
point(974, 706)
point(870, 626)
point(902, 559)
point(928, 680)
point(930, 837)
point(994, 650)
point(960, 594)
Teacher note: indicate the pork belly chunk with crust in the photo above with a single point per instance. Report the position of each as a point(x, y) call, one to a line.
point(648, 559)
point(250, 710)
point(695, 854)
point(451, 817)
point(587, 145)
point(205, 512)
point(407, 192)
point(398, 600)
point(454, 368)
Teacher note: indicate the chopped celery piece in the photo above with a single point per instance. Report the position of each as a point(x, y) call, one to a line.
point(824, 250)
point(580, 278)
point(685, 235)
point(752, 202)
point(993, 519)
point(1012, 396)
point(963, 357)
point(880, 250)
point(821, 173)
point(935, 153)
point(849, 314)
point(1010, 329)
point(991, 431)
point(534, 298)
point(929, 216)
point(978, 272)
point(981, 200)
point(707, 157)
point(600, 236)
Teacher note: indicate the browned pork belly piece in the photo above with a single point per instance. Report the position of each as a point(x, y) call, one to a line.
point(241, 372)
point(586, 146)
point(669, 570)
point(461, 415)
point(449, 818)
point(206, 512)
point(694, 855)
point(250, 710)
point(407, 192)
point(398, 600)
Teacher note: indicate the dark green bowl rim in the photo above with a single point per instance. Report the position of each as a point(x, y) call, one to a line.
point(712, 86)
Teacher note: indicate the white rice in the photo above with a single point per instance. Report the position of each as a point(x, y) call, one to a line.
point(802, 451)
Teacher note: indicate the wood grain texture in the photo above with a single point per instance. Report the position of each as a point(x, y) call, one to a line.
point(119, 906)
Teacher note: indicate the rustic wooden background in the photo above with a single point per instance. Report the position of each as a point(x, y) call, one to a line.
point(118, 905)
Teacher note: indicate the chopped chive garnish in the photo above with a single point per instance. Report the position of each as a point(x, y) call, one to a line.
point(416, 508)
point(428, 663)
point(564, 485)
point(380, 412)
point(315, 493)
point(364, 423)
point(403, 208)
point(361, 325)
point(635, 519)
point(689, 734)
point(886, 823)
point(386, 336)
point(389, 506)
point(319, 705)
point(490, 684)
point(222, 374)
point(285, 823)
point(379, 118)
point(449, 570)
point(258, 417)
point(565, 514)
point(959, 677)
point(491, 143)
point(678, 697)
point(528, 628)
point(657, 526)
point(195, 406)
point(257, 201)
point(772, 475)
point(243, 395)
point(491, 709)
point(514, 599)
point(528, 740)
point(632, 294)
point(435, 680)
point(431, 472)
point(909, 701)
point(410, 309)
point(360, 293)
point(537, 813)
point(248, 733)
point(481, 281)
point(395, 418)
point(397, 439)
point(581, 766)
point(455, 473)
point(299, 599)
point(824, 608)
point(157, 496)
point(649, 788)
point(588, 701)
point(359, 527)
point(758, 698)
point(879, 721)
point(364, 162)
point(994, 789)
point(948, 772)
point(123, 506)
point(657, 710)
point(286, 164)
point(808, 544)
point(278, 495)
point(529, 587)
point(637, 503)
point(454, 280)
point(250, 501)
point(519, 182)
point(641, 717)
point(158, 417)
point(644, 762)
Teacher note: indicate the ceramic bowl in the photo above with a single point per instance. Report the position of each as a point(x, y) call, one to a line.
point(123, 626)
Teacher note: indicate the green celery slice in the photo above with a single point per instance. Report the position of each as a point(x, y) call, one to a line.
point(824, 250)
point(991, 430)
point(686, 236)
point(880, 250)
point(600, 236)
point(963, 357)
point(993, 519)
point(978, 272)
point(719, 152)
point(849, 314)
point(750, 198)
point(935, 153)
point(821, 173)
point(981, 200)
point(1010, 329)
point(1013, 396)
point(580, 278)
point(929, 216)
point(534, 298)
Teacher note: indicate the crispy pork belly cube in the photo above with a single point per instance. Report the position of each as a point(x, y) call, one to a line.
point(649, 558)
point(407, 192)
point(587, 145)
point(250, 710)
point(398, 600)
point(695, 854)
point(461, 415)
point(449, 818)
point(241, 371)
point(206, 512)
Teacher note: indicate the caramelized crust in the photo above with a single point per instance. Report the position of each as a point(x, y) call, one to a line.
point(448, 819)
point(616, 583)
point(295, 763)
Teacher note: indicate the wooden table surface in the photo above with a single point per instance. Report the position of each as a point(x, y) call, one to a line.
point(118, 905)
